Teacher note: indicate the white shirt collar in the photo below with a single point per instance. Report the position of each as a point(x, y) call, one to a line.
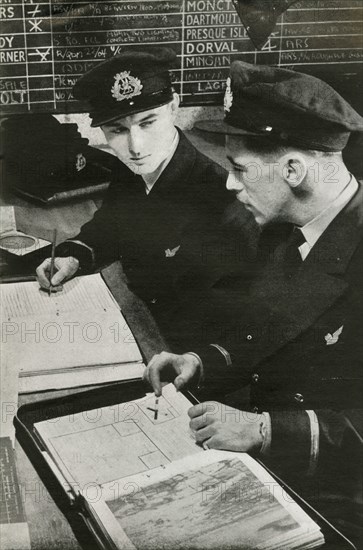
point(151, 179)
point(313, 230)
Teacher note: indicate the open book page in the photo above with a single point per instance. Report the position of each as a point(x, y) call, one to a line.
point(103, 445)
point(216, 499)
point(81, 376)
point(26, 299)
point(148, 485)
point(9, 381)
point(80, 327)
point(9, 388)
point(74, 339)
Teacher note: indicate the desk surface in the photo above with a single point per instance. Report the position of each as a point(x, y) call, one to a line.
point(48, 527)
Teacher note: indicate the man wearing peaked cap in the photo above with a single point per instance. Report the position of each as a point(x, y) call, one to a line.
point(166, 199)
point(295, 340)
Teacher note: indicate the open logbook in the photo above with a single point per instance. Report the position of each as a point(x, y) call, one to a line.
point(146, 484)
point(72, 338)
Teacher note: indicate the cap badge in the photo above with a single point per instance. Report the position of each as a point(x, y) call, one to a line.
point(80, 162)
point(228, 96)
point(125, 86)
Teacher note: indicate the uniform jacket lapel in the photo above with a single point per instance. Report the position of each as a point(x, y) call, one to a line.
point(294, 305)
point(176, 172)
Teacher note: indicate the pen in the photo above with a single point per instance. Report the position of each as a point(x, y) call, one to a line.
point(54, 241)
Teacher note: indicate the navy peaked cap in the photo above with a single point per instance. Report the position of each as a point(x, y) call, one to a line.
point(287, 106)
point(129, 83)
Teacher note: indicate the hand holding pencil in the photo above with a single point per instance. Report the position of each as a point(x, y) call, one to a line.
point(167, 367)
point(54, 242)
point(55, 270)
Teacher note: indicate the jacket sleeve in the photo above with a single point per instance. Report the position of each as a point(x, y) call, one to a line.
point(331, 435)
point(96, 244)
point(306, 437)
point(304, 441)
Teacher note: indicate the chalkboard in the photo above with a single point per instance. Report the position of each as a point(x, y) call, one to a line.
point(45, 46)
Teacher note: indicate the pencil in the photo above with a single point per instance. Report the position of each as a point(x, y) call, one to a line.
point(54, 242)
point(156, 410)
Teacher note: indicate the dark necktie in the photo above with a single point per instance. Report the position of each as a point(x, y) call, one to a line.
point(138, 185)
point(292, 258)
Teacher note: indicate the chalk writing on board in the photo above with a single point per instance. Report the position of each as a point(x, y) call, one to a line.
point(46, 46)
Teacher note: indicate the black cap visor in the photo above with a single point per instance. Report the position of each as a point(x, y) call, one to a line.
point(221, 127)
point(131, 107)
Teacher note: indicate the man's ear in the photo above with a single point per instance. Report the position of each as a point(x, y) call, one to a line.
point(174, 104)
point(294, 169)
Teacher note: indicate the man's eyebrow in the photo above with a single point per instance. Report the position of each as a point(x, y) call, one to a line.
point(147, 117)
point(116, 124)
point(113, 125)
point(235, 165)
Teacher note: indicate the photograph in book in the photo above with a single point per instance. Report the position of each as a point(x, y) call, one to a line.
point(216, 499)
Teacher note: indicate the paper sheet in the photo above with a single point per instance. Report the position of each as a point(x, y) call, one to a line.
point(149, 485)
point(68, 340)
point(78, 377)
point(9, 387)
point(9, 397)
point(109, 443)
point(30, 245)
point(7, 219)
point(81, 327)
point(82, 293)
point(8, 228)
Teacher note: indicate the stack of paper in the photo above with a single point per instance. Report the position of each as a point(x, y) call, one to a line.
point(72, 338)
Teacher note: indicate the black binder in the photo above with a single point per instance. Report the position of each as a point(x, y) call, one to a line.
point(75, 509)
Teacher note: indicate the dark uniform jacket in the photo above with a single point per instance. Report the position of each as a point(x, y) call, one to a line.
point(169, 240)
point(298, 343)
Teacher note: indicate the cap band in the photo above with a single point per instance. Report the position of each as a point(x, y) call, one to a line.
point(131, 106)
point(286, 127)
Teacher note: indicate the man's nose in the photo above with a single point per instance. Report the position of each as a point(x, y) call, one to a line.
point(135, 142)
point(233, 182)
